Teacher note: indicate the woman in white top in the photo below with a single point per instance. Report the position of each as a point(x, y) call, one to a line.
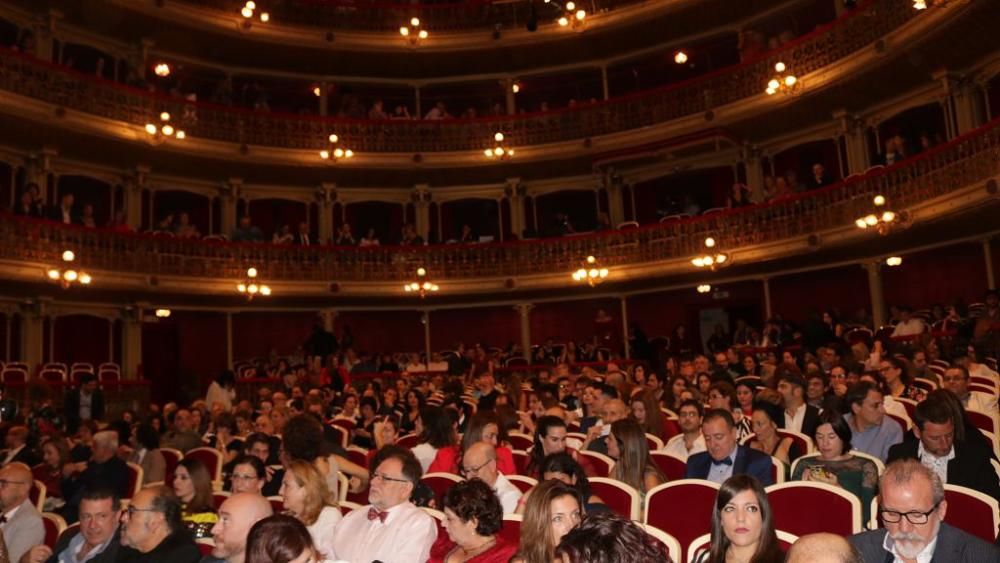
point(222, 391)
point(309, 500)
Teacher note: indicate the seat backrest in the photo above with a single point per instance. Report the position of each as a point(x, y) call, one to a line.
point(54, 525)
point(973, 512)
point(172, 457)
point(219, 497)
point(600, 464)
point(520, 440)
point(793, 506)
point(52, 375)
point(408, 441)
point(37, 494)
point(698, 546)
point(13, 375)
point(669, 543)
point(778, 469)
point(802, 442)
point(135, 478)
point(211, 458)
point(339, 433)
point(511, 530)
point(619, 497)
point(521, 460)
point(109, 376)
point(205, 546)
point(109, 366)
point(440, 483)
point(696, 496)
point(278, 505)
point(70, 531)
point(522, 482)
point(672, 466)
point(345, 423)
point(358, 456)
point(82, 366)
point(653, 442)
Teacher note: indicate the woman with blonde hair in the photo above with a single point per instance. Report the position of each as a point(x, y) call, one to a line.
point(553, 509)
point(309, 500)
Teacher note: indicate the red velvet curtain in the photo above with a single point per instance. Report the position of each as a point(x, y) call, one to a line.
point(178, 201)
point(81, 338)
point(489, 326)
point(269, 215)
point(580, 205)
point(255, 334)
point(845, 289)
point(383, 331)
point(937, 276)
point(480, 214)
point(386, 218)
point(801, 159)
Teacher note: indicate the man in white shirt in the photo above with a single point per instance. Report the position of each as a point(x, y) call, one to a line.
point(975, 368)
point(908, 325)
point(799, 416)
point(956, 380)
point(480, 462)
point(691, 440)
point(390, 529)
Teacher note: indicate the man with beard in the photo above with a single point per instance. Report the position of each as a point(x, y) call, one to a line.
point(912, 506)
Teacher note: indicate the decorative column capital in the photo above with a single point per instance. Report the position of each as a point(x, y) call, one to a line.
point(326, 193)
point(231, 189)
point(421, 194)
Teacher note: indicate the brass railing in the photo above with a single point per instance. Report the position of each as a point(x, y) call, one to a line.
point(388, 15)
point(29, 77)
point(937, 172)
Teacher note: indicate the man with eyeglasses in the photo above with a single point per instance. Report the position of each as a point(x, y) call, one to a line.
point(98, 539)
point(912, 507)
point(152, 526)
point(691, 441)
point(390, 529)
point(21, 523)
point(956, 380)
point(479, 462)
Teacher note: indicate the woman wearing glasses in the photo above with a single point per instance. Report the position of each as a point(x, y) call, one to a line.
point(308, 499)
point(742, 525)
point(472, 517)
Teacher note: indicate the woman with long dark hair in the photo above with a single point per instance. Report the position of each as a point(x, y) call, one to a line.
point(633, 465)
point(742, 525)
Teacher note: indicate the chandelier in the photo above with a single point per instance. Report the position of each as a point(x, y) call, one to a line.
point(165, 129)
point(883, 219)
point(680, 57)
point(783, 81)
point(421, 286)
point(704, 288)
point(333, 151)
point(590, 273)
point(68, 275)
point(500, 150)
point(248, 12)
point(712, 259)
point(414, 35)
point(250, 287)
point(572, 17)
point(162, 70)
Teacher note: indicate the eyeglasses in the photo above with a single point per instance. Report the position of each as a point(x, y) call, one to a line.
point(914, 517)
point(130, 511)
point(474, 470)
point(384, 477)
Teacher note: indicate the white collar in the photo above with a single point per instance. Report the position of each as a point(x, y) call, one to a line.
point(925, 555)
point(921, 452)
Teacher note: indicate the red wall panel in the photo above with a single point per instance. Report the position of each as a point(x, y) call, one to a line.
point(659, 313)
point(378, 331)
point(178, 201)
point(937, 276)
point(201, 342)
point(255, 334)
point(271, 214)
point(385, 218)
point(579, 205)
point(81, 338)
point(489, 326)
point(844, 289)
point(570, 320)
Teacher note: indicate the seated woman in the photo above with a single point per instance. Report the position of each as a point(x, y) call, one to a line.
point(633, 464)
point(485, 427)
point(280, 539)
point(472, 518)
point(55, 455)
point(193, 485)
point(552, 511)
point(145, 442)
point(609, 537)
point(562, 467)
point(303, 439)
point(225, 440)
point(438, 443)
point(646, 411)
point(249, 475)
point(836, 466)
point(550, 438)
point(742, 525)
point(310, 501)
point(764, 422)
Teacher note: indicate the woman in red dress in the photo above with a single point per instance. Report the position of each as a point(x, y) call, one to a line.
point(473, 519)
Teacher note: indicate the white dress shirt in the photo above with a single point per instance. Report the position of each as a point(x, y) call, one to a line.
point(936, 464)
point(406, 536)
point(915, 325)
point(925, 555)
point(677, 447)
point(507, 493)
point(981, 402)
point(12, 453)
point(425, 454)
point(718, 473)
point(794, 422)
point(322, 529)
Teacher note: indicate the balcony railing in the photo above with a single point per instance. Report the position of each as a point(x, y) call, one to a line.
point(388, 15)
point(937, 172)
point(42, 81)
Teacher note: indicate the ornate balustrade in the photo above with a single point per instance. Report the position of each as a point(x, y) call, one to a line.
point(26, 76)
point(940, 171)
point(369, 15)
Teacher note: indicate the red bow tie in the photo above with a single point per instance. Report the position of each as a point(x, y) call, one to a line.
point(374, 514)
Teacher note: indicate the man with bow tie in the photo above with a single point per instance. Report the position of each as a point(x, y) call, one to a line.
point(390, 529)
point(725, 457)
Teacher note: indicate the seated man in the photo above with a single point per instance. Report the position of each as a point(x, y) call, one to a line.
point(480, 462)
point(182, 437)
point(872, 432)
point(964, 463)
point(105, 468)
point(725, 457)
point(912, 506)
point(690, 441)
point(152, 526)
point(97, 541)
point(391, 528)
point(22, 524)
point(236, 516)
point(18, 451)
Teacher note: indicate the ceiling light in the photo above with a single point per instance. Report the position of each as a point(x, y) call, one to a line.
point(893, 261)
point(265, 17)
point(68, 256)
point(680, 57)
point(163, 313)
point(704, 288)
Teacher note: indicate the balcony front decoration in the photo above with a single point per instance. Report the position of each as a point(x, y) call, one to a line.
point(500, 150)
point(413, 33)
point(421, 286)
point(591, 273)
point(164, 130)
point(883, 219)
point(67, 275)
point(250, 287)
point(573, 16)
point(334, 152)
point(783, 81)
point(712, 259)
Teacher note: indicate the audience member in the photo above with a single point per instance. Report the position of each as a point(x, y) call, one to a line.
point(182, 437)
point(956, 380)
point(105, 468)
point(236, 517)
point(85, 402)
point(307, 498)
point(609, 538)
point(193, 486)
point(550, 438)
point(872, 432)
point(98, 538)
point(18, 450)
point(764, 421)
point(64, 211)
point(724, 456)
point(55, 456)
point(246, 231)
point(823, 548)
point(21, 523)
point(691, 440)
point(280, 539)
point(437, 438)
point(633, 465)
point(480, 462)
point(553, 509)
point(473, 517)
point(742, 524)
point(146, 453)
point(249, 475)
point(799, 416)
point(152, 526)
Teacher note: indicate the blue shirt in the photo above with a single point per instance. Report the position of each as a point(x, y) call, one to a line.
point(876, 440)
point(69, 555)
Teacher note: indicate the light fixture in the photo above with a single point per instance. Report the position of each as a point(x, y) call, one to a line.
point(248, 10)
point(164, 129)
point(317, 92)
point(412, 32)
point(68, 275)
point(162, 69)
point(421, 286)
point(882, 219)
point(250, 287)
point(704, 288)
point(783, 81)
point(334, 152)
point(680, 57)
point(500, 150)
point(515, 88)
point(163, 313)
point(713, 259)
point(893, 261)
point(590, 272)
point(572, 16)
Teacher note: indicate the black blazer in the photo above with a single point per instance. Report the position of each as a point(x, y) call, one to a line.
point(113, 553)
point(27, 456)
point(175, 548)
point(748, 461)
point(72, 407)
point(953, 546)
point(811, 421)
point(970, 468)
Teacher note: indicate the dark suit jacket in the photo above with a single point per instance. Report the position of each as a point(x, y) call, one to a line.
point(111, 554)
point(27, 456)
point(953, 546)
point(970, 468)
point(176, 548)
point(72, 407)
point(113, 472)
point(55, 214)
point(810, 421)
point(748, 461)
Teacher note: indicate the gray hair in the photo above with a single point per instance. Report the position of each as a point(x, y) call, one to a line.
point(107, 438)
point(902, 472)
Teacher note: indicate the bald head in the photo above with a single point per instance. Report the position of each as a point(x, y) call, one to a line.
point(236, 516)
point(823, 548)
point(479, 462)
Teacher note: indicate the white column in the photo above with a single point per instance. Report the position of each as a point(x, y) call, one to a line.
point(874, 270)
point(755, 173)
point(970, 106)
point(855, 141)
point(324, 98)
point(768, 313)
point(325, 195)
point(421, 198)
point(132, 196)
point(328, 316)
point(52, 339)
point(991, 281)
point(511, 102)
point(616, 206)
point(514, 191)
point(628, 350)
point(524, 310)
point(111, 339)
point(229, 340)
point(8, 324)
